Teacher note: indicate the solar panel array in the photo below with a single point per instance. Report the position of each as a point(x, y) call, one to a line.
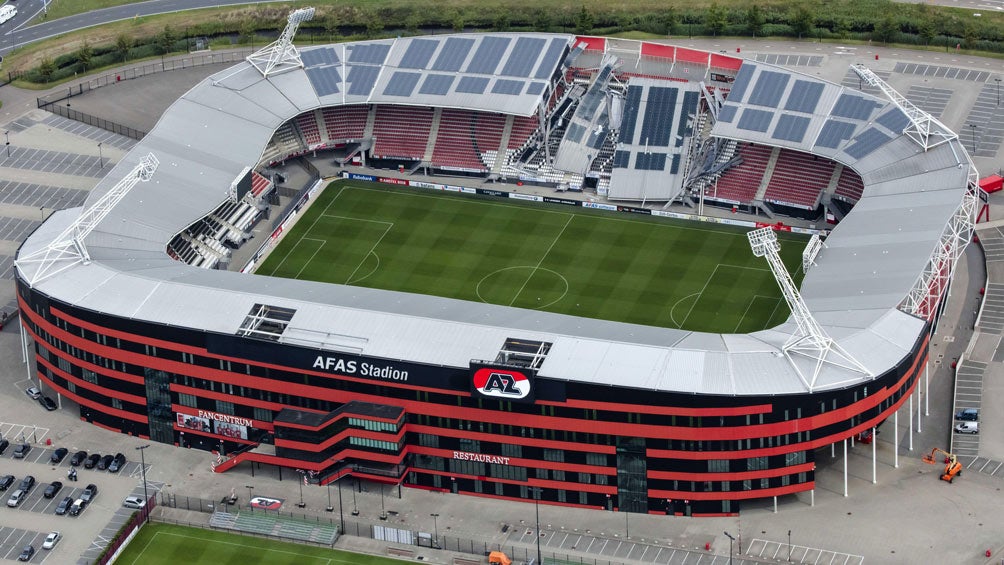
point(650, 162)
point(631, 106)
point(834, 132)
point(755, 120)
point(621, 159)
point(854, 107)
point(804, 96)
point(503, 86)
point(727, 113)
point(453, 54)
point(419, 54)
point(866, 142)
point(325, 80)
point(658, 124)
point(769, 88)
point(523, 57)
point(318, 57)
point(402, 83)
point(895, 120)
point(488, 55)
point(741, 83)
point(361, 79)
point(689, 112)
point(436, 84)
point(370, 53)
point(791, 128)
point(551, 56)
point(472, 85)
point(535, 88)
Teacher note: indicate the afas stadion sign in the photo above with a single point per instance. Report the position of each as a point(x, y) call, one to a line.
point(502, 383)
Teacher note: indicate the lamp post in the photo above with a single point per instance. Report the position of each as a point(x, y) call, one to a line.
point(972, 129)
point(731, 539)
point(146, 494)
point(435, 525)
point(6, 134)
point(355, 508)
point(303, 479)
point(101, 165)
point(383, 509)
point(789, 546)
point(536, 507)
point(250, 497)
point(998, 81)
point(329, 508)
point(341, 513)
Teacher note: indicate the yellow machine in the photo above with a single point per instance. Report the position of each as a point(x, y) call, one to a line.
point(952, 466)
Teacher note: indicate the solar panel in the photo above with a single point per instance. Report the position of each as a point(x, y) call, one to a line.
point(535, 88)
point(523, 56)
point(419, 54)
point(675, 168)
point(361, 79)
point(868, 141)
point(318, 57)
point(503, 86)
point(550, 59)
point(854, 107)
point(621, 159)
point(401, 83)
point(687, 113)
point(755, 120)
point(658, 125)
point(791, 128)
point(488, 55)
point(727, 113)
point(472, 85)
point(650, 162)
point(325, 80)
point(741, 83)
point(453, 54)
point(372, 53)
point(895, 120)
point(769, 89)
point(834, 133)
point(436, 84)
point(804, 96)
point(574, 133)
point(631, 107)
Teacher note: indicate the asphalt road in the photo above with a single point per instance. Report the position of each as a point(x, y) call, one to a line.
point(17, 32)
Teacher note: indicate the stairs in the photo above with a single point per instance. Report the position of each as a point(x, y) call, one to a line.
point(503, 145)
point(767, 173)
point(433, 134)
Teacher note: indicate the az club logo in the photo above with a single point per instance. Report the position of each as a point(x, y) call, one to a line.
point(501, 383)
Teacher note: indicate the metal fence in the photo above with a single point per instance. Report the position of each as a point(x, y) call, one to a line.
point(207, 526)
point(169, 500)
point(136, 521)
point(51, 101)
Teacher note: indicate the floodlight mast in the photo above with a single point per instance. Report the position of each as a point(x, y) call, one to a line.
point(68, 249)
point(809, 340)
point(924, 129)
point(281, 55)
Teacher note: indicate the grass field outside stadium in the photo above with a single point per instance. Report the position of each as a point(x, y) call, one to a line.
point(636, 269)
point(168, 544)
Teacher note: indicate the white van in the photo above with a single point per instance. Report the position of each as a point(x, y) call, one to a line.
point(7, 12)
point(967, 428)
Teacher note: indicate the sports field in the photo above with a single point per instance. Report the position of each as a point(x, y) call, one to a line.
point(166, 544)
point(636, 269)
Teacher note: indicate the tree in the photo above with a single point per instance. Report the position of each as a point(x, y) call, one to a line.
point(247, 31)
point(412, 22)
point(801, 21)
point(85, 55)
point(584, 22)
point(842, 28)
point(331, 25)
point(669, 19)
point(969, 36)
point(755, 20)
point(46, 69)
point(886, 29)
point(123, 43)
point(165, 41)
point(926, 31)
point(542, 20)
point(502, 20)
point(715, 19)
point(374, 24)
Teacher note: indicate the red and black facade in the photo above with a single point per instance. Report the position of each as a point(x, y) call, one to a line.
point(334, 415)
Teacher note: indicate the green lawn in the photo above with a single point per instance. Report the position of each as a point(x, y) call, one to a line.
point(634, 269)
point(167, 544)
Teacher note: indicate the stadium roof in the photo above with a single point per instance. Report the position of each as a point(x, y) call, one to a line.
point(207, 137)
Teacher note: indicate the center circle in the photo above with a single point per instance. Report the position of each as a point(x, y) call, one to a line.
point(522, 286)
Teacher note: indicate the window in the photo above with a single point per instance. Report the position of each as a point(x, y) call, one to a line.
point(187, 400)
point(89, 376)
point(756, 463)
point(224, 407)
point(555, 455)
point(262, 414)
point(795, 458)
point(596, 459)
point(63, 364)
point(428, 440)
point(116, 403)
point(512, 450)
point(374, 443)
point(718, 466)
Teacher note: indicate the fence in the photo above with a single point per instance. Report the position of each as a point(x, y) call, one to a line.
point(124, 534)
point(169, 500)
point(50, 101)
point(207, 526)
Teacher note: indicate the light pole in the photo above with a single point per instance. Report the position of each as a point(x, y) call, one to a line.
point(536, 507)
point(250, 491)
point(731, 539)
point(383, 509)
point(998, 81)
point(330, 508)
point(146, 494)
point(6, 134)
point(435, 525)
point(789, 546)
point(101, 165)
point(972, 129)
point(341, 512)
point(355, 508)
point(303, 479)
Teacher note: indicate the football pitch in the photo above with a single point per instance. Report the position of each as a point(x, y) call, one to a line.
point(167, 544)
point(636, 269)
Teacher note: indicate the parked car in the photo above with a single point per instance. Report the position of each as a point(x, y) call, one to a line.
point(51, 540)
point(133, 502)
point(78, 458)
point(967, 428)
point(968, 415)
point(77, 507)
point(92, 460)
point(116, 465)
point(58, 455)
point(89, 493)
point(21, 450)
point(53, 489)
point(16, 498)
point(105, 461)
point(6, 481)
point(48, 403)
point(33, 392)
point(3, 445)
point(27, 484)
point(27, 553)
point(64, 505)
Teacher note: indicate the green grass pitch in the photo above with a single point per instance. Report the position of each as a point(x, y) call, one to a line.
point(636, 269)
point(168, 544)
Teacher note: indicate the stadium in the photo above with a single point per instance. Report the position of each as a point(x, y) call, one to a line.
point(138, 317)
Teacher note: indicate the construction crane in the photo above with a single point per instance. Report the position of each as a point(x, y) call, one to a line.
point(952, 466)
